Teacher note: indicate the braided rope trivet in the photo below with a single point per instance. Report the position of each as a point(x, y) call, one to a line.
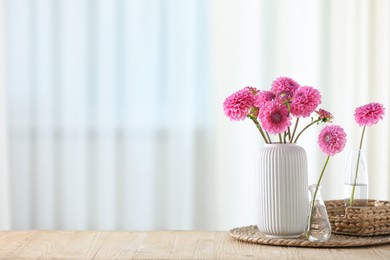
point(251, 234)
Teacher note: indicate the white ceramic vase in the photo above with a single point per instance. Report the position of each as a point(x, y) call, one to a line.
point(282, 194)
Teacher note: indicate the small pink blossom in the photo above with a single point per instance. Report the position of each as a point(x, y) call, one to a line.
point(254, 91)
point(324, 115)
point(264, 97)
point(237, 106)
point(274, 117)
point(332, 139)
point(284, 88)
point(369, 114)
point(305, 101)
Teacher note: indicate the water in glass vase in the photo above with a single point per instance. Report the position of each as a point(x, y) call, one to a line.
point(319, 229)
point(360, 194)
point(356, 173)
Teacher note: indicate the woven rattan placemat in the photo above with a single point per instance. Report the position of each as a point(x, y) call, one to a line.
point(251, 234)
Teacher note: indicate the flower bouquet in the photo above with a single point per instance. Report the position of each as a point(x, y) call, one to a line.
point(282, 194)
point(273, 111)
point(282, 187)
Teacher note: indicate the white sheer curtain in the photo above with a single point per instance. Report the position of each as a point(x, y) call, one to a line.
point(5, 212)
point(109, 114)
point(114, 108)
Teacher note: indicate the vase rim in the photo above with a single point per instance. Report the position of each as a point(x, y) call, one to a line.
point(313, 186)
point(355, 150)
point(278, 144)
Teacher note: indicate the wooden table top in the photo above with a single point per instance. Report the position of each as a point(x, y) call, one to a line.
point(160, 245)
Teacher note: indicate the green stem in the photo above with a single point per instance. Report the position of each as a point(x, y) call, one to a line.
point(269, 137)
point(319, 179)
point(357, 168)
point(254, 119)
point(289, 135)
point(306, 127)
point(315, 192)
point(295, 129)
point(288, 128)
point(280, 138)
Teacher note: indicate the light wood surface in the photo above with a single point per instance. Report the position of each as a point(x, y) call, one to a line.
point(159, 245)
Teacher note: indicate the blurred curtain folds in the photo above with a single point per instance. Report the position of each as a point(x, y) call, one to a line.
point(111, 110)
point(5, 210)
point(109, 122)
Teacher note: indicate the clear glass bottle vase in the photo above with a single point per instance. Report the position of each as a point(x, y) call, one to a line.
point(318, 227)
point(356, 180)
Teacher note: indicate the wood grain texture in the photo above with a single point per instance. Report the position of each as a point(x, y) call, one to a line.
point(159, 245)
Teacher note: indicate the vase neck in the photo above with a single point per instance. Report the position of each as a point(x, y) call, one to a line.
point(279, 144)
point(312, 189)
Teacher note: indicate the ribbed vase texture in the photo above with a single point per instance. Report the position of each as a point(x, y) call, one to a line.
point(282, 190)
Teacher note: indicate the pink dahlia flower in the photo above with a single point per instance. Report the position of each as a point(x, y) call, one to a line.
point(264, 97)
point(284, 88)
point(274, 117)
point(332, 139)
point(237, 106)
point(324, 115)
point(305, 101)
point(369, 114)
